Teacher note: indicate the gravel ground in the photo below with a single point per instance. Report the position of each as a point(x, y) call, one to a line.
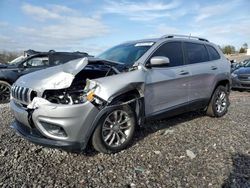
point(189, 150)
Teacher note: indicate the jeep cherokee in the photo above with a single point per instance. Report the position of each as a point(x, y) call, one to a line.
point(101, 100)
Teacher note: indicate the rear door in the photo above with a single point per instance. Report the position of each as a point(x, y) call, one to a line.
point(203, 71)
point(167, 87)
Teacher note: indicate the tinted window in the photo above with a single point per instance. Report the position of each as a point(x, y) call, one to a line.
point(196, 53)
point(214, 55)
point(173, 51)
point(37, 62)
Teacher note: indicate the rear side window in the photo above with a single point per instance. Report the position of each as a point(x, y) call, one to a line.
point(37, 62)
point(196, 53)
point(214, 55)
point(173, 51)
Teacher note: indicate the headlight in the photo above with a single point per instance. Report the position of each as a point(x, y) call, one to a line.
point(234, 75)
point(90, 85)
point(90, 89)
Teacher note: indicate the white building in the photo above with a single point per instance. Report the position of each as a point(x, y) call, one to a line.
point(248, 51)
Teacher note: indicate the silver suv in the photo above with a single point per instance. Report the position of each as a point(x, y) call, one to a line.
point(102, 100)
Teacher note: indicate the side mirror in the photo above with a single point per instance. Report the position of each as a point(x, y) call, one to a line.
point(159, 61)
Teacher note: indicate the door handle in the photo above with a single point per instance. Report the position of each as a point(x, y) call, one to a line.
point(183, 72)
point(213, 68)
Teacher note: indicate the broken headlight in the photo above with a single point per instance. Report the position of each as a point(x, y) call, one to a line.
point(73, 95)
point(69, 96)
point(90, 89)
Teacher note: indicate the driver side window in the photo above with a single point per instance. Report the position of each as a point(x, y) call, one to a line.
point(171, 50)
point(37, 62)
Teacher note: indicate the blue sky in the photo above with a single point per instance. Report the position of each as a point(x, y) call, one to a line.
point(94, 26)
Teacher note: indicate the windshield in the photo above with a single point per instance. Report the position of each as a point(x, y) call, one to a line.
point(126, 53)
point(17, 60)
point(247, 64)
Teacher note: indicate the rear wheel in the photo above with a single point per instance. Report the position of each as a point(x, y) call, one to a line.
point(115, 130)
point(219, 102)
point(5, 89)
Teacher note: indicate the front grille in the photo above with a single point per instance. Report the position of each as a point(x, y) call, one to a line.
point(246, 85)
point(244, 77)
point(22, 94)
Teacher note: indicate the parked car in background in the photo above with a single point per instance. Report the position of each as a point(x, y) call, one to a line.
point(20, 66)
point(241, 77)
point(102, 100)
point(236, 65)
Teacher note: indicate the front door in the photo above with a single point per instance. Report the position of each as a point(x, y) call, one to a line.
point(167, 87)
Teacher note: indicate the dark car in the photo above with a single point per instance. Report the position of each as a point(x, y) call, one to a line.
point(235, 65)
point(241, 77)
point(9, 73)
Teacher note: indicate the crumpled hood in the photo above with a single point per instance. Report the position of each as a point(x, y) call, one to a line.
point(57, 77)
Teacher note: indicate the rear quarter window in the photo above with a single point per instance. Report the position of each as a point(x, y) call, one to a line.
point(196, 53)
point(213, 54)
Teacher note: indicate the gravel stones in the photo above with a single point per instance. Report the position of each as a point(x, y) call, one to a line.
point(160, 155)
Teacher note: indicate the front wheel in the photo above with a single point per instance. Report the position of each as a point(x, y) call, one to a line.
point(115, 130)
point(219, 102)
point(5, 89)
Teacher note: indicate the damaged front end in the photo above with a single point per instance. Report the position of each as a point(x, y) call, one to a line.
point(59, 106)
point(52, 105)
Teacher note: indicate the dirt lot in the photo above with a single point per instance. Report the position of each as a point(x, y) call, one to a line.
point(189, 150)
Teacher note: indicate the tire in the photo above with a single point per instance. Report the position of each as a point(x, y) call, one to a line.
point(115, 124)
point(5, 90)
point(219, 103)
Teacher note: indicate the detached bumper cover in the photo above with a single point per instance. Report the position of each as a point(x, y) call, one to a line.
point(35, 137)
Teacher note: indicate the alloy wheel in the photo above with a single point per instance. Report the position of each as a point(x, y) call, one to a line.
point(221, 102)
point(116, 128)
point(4, 93)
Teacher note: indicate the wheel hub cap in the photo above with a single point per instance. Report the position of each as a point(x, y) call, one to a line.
point(4, 93)
point(116, 128)
point(221, 102)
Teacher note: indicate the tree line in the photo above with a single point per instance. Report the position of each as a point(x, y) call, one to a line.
point(6, 57)
point(229, 49)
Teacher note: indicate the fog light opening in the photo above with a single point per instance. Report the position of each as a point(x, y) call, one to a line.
point(54, 129)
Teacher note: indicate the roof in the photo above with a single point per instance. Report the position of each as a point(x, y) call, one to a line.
point(170, 36)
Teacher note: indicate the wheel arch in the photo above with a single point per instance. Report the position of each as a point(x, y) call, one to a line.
point(225, 83)
point(132, 98)
point(6, 80)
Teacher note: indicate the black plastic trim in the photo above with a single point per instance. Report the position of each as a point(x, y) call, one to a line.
point(34, 136)
point(179, 109)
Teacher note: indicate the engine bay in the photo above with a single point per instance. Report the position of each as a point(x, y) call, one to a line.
point(76, 93)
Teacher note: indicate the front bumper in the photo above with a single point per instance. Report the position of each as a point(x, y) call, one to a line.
point(75, 120)
point(240, 84)
point(37, 138)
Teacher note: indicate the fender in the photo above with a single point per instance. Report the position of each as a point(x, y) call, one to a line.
point(108, 108)
point(9, 76)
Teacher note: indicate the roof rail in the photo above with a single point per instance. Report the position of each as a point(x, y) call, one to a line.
point(184, 36)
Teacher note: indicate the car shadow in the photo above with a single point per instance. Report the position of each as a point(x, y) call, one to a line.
point(165, 124)
point(152, 127)
point(240, 174)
